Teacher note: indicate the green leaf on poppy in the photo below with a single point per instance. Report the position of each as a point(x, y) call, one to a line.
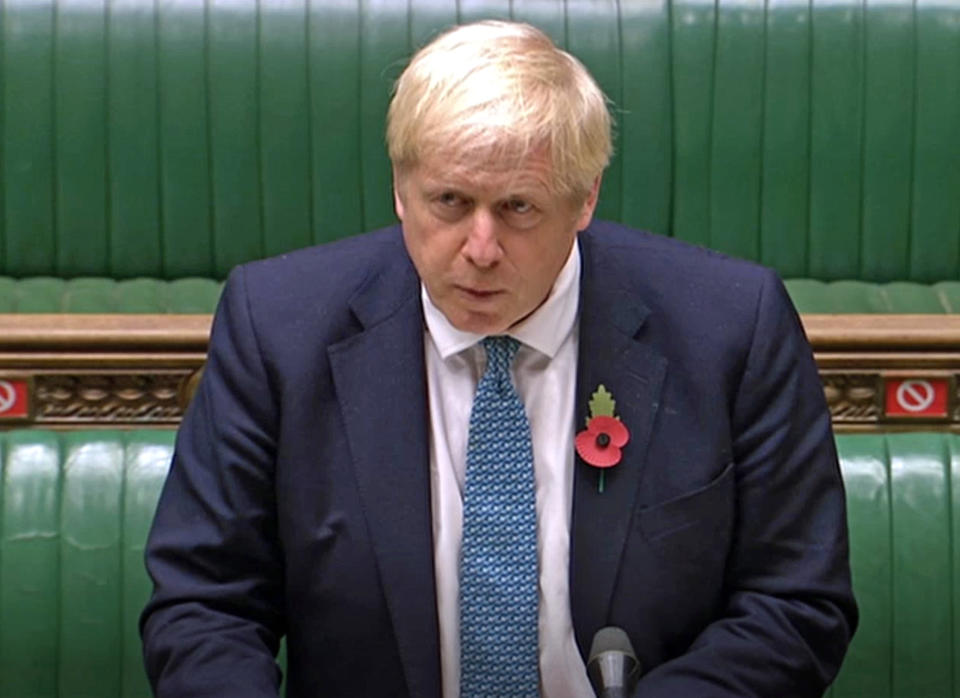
point(602, 403)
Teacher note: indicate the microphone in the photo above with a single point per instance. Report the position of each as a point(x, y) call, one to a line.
point(613, 668)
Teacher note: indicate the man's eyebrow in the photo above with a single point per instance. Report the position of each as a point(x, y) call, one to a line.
point(438, 187)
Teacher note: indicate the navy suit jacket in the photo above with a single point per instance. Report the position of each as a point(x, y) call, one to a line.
point(298, 501)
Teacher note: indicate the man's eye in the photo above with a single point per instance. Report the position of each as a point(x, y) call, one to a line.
point(519, 206)
point(448, 198)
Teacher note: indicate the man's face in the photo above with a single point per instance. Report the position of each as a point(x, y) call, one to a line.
point(488, 240)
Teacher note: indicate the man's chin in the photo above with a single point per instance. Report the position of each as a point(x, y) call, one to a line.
point(479, 322)
point(484, 328)
point(485, 322)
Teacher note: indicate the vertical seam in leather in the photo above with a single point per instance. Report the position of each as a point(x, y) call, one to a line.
point(158, 126)
point(621, 195)
point(911, 272)
point(308, 92)
point(258, 123)
point(109, 261)
point(208, 128)
point(808, 161)
point(54, 218)
point(360, 178)
point(711, 123)
point(864, 74)
point(758, 226)
point(892, 577)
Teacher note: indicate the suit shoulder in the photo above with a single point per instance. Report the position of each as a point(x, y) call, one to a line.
point(315, 286)
point(660, 265)
point(327, 273)
point(644, 247)
point(335, 264)
point(691, 294)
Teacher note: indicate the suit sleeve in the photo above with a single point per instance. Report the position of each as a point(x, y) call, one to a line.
point(789, 612)
point(214, 621)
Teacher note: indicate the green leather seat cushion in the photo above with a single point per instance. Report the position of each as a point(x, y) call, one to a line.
point(196, 295)
point(98, 295)
point(812, 296)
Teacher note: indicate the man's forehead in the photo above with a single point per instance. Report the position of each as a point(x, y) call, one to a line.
point(531, 170)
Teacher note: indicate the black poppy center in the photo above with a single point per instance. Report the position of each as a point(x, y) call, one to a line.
point(603, 440)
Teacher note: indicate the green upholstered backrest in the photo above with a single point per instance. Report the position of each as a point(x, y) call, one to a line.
point(75, 508)
point(903, 503)
point(172, 139)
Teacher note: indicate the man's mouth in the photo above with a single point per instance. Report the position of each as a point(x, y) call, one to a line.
point(478, 293)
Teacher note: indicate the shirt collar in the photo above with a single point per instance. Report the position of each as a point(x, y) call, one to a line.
point(544, 330)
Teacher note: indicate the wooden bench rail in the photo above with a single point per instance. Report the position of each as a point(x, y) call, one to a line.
point(69, 371)
point(888, 372)
point(880, 372)
point(113, 333)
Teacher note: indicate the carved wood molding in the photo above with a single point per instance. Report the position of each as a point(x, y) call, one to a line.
point(888, 372)
point(880, 372)
point(65, 371)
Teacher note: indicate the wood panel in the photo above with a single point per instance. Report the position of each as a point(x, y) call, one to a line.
point(880, 372)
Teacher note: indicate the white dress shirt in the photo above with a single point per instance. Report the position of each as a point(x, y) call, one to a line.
point(544, 373)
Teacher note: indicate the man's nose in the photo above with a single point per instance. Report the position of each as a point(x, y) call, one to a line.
point(482, 246)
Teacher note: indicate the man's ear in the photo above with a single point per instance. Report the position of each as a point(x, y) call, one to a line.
point(397, 199)
point(589, 205)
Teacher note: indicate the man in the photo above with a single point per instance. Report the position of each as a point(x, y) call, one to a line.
point(380, 461)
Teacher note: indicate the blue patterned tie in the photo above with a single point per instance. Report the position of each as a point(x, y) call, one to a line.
point(498, 569)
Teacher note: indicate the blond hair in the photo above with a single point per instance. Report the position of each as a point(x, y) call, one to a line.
point(501, 89)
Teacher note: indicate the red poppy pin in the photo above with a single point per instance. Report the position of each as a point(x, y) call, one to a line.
point(600, 443)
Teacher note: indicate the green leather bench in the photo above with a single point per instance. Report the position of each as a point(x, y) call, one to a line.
point(146, 148)
point(75, 508)
point(100, 295)
point(896, 297)
point(197, 295)
point(177, 139)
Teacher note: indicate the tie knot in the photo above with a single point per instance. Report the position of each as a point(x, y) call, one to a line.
point(500, 352)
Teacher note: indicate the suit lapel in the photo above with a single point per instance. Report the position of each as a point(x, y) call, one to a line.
point(611, 352)
point(381, 386)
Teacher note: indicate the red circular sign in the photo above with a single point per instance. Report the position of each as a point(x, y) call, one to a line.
point(915, 395)
point(8, 396)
